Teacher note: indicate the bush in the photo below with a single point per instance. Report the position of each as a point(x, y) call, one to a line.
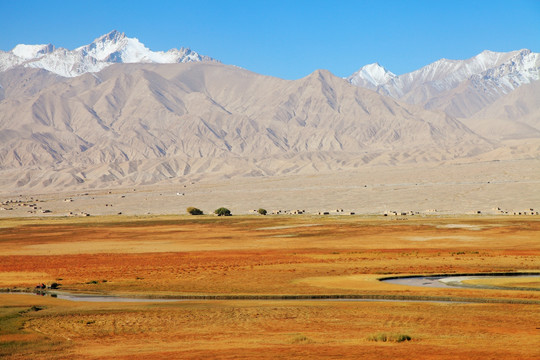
point(222, 212)
point(194, 211)
point(389, 337)
point(262, 211)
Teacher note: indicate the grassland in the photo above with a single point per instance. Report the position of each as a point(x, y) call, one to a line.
point(273, 255)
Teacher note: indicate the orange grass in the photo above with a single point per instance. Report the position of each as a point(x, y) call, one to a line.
point(283, 330)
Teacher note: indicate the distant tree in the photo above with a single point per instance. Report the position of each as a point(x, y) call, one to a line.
point(222, 212)
point(194, 211)
point(262, 211)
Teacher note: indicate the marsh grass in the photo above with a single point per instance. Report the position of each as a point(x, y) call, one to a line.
point(12, 321)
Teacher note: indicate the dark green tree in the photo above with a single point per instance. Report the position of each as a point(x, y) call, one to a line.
point(222, 212)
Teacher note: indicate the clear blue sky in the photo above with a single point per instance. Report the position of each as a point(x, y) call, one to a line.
point(287, 39)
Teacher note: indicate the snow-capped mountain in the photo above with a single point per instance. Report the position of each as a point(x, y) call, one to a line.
point(106, 50)
point(459, 87)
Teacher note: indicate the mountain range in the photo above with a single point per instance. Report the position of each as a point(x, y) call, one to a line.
point(104, 51)
point(114, 113)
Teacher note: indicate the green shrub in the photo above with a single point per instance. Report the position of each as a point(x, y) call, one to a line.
point(262, 211)
point(194, 211)
point(401, 338)
point(222, 212)
point(389, 337)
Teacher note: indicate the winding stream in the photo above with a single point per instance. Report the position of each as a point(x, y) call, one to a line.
point(111, 298)
point(437, 281)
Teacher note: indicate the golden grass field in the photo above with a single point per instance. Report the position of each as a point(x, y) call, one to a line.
point(274, 255)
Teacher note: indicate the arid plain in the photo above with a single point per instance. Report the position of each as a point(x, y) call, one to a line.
point(272, 257)
point(491, 187)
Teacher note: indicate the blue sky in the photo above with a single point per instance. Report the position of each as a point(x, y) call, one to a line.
point(287, 39)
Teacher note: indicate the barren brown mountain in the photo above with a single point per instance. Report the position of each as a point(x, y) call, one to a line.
point(515, 116)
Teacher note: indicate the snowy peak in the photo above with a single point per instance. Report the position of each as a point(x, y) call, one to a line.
point(113, 36)
point(114, 47)
point(103, 47)
point(371, 76)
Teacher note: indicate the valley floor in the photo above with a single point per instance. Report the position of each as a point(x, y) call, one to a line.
point(272, 255)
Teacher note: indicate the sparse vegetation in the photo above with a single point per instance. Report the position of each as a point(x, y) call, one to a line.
point(222, 212)
point(301, 339)
point(383, 337)
point(262, 211)
point(194, 211)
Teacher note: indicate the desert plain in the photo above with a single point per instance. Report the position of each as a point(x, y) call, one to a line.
point(267, 287)
point(490, 187)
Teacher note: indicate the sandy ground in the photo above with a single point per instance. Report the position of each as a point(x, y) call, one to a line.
point(511, 186)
